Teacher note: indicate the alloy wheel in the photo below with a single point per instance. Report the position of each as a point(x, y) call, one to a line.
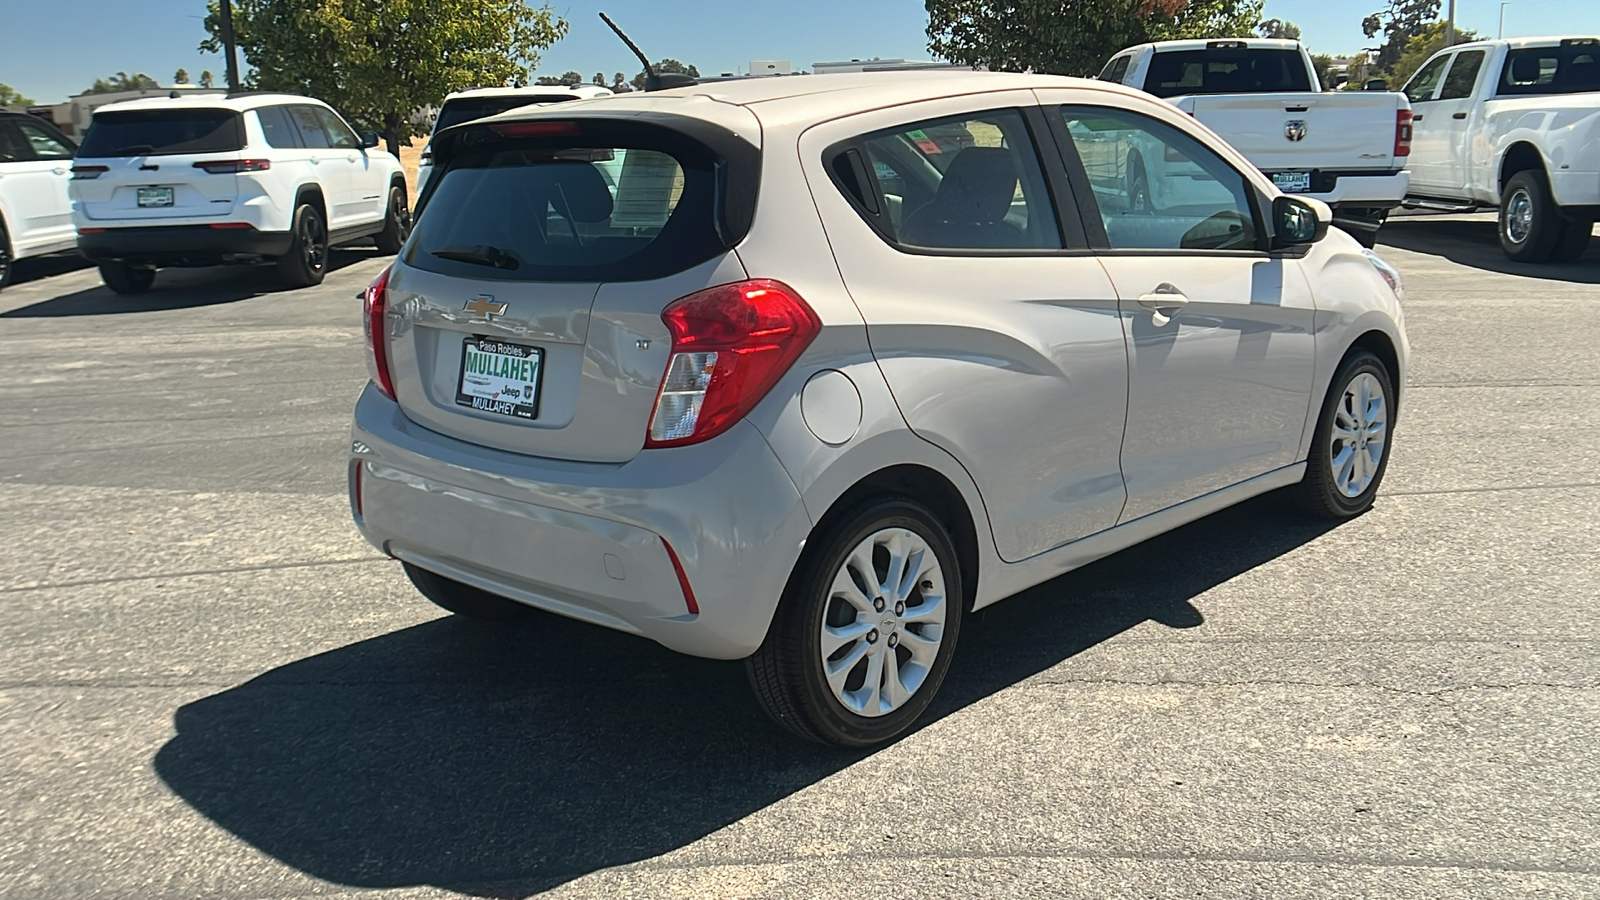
point(1359, 434)
point(313, 240)
point(883, 622)
point(1519, 217)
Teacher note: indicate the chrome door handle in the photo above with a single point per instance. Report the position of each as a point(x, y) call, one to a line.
point(1164, 298)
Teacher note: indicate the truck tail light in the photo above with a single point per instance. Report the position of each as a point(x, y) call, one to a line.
point(375, 308)
point(730, 345)
point(1402, 133)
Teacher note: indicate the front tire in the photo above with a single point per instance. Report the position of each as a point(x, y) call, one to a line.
point(1350, 450)
point(306, 263)
point(866, 629)
point(122, 278)
point(1531, 224)
point(464, 599)
point(396, 224)
point(7, 261)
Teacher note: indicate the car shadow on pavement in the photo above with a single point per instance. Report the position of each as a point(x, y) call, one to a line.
point(178, 289)
point(39, 267)
point(503, 762)
point(1477, 244)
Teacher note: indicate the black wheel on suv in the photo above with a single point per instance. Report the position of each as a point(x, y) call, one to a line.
point(397, 224)
point(464, 599)
point(307, 260)
point(125, 279)
point(866, 629)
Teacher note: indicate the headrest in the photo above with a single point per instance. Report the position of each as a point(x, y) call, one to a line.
point(1525, 68)
point(577, 184)
point(978, 186)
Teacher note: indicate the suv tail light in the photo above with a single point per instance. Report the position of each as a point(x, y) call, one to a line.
point(730, 345)
point(1402, 133)
point(375, 308)
point(234, 166)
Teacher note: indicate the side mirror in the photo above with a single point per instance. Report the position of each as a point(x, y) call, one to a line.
point(1297, 221)
point(1376, 84)
point(369, 139)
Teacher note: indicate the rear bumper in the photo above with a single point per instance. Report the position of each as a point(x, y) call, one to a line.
point(1359, 189)
point(179, 245)
point(585, 540)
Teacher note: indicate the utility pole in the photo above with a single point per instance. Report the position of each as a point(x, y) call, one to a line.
point(1449, 34)
point(231, 53)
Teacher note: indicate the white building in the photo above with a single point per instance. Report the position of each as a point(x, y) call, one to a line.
point(877, 64)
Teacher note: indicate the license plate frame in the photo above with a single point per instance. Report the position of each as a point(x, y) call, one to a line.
point(1292, 182)
point(489, 363)
point(155, 197)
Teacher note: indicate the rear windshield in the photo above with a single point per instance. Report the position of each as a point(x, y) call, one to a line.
point(163, 133)
point(1573, 69)
point(1226, 71)
point(537, 211)
point(466, 109)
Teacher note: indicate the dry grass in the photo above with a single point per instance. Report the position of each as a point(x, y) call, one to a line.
point(409, 154)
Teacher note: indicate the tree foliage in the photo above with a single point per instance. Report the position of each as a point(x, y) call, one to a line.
point(122, 81)
point(1279, 28)
point(1398, 23)
point(9, 96)
point(1072, 37)
point(666, 65)
point(381, 60)
point(206, 78)
point(619, 84)
point(1430, 39)
point(181, 77)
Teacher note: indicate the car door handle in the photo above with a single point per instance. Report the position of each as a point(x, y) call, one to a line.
point(1165, 297)
point(1459, 116)
point(59, 170)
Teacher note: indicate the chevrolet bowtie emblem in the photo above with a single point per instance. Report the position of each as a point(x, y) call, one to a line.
point(484, 305)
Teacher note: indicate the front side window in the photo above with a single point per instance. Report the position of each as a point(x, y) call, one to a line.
point(158, 132)
point(312, 131)
point(1422, 85)
point(1463, 75)
point(1157, 188)
point(1116, 70)
point(971, 182)
point(340, 136)
point(44, 144)
point(1573, 68)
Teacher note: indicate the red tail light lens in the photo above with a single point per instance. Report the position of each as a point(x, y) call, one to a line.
point(375, 308)
point(535, 129)
point(233, 166)
point(730, 345)
point(1402, 133)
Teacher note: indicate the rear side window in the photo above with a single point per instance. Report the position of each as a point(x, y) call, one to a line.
point(275, 124)
point(163, 132)
point(635, 208)
point(1572, 68)
point(969, 183)
point(466, 109)
point(1226, 71)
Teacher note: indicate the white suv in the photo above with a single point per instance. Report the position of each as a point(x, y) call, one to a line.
point(465, 106)
point(198, 181)
point(34, 216)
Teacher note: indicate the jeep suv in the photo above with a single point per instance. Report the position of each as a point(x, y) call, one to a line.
point(253, 178)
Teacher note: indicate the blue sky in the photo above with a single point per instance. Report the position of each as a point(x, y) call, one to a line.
point(49, 50)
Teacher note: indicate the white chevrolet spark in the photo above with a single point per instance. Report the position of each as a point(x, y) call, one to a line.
point(804, 370)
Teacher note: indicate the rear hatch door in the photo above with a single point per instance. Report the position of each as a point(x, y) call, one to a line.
point(151, 165)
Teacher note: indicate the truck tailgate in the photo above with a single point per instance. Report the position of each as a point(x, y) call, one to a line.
point(1345, 130)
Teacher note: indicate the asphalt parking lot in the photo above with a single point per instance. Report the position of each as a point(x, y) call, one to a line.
point(211, 686)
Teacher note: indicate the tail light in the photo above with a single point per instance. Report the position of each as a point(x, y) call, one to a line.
point(89, 173)
point(1402, 133)
point(234, 166)
point(375, 307)
point(535, 129)
point(730, 345)
point(426, 159)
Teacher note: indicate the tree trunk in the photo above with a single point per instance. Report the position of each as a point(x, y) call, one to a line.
point(392, 123)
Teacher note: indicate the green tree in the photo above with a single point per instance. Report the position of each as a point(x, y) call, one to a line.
point(665, 66)
point(9, 96)
point(619, 84)
point(122, 81)
point(1398, 23)
point(380, 62)
point(599, 78)
point(205, 78)
point(1208, 19)
point(182, 77)
point(1322, 63)
point(1425, 43)
point(1279, 28)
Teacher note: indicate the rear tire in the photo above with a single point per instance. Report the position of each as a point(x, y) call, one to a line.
point(1574, 240)
point(7, 261)
point(854, 655)
point(1531, 224)
point(122, 278)
point(306, 263)
point(464, 599)
point(1342, 475)
point(396, 223)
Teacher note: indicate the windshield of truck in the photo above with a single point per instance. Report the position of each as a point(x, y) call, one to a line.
point(1226, 71)
point(1569, 69)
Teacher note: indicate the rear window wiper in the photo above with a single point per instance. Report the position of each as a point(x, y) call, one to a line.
point(481, 255)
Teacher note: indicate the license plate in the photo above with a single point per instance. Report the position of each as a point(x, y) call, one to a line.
point(500, 378)
point(1292, 182)
point(155, 197)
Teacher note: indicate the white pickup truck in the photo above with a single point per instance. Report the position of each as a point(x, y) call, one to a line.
point(1345, 148)
point(1512, 125)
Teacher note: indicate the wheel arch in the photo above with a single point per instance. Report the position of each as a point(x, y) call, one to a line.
point(1382, 346)
point(1519, 157)
point(312, 194)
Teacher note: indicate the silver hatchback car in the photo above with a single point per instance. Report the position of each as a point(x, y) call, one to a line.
point(803, 370)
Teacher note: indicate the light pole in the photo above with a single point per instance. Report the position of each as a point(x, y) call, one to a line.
point(1449, 34)
point(1501, 31)
point(231, 55)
